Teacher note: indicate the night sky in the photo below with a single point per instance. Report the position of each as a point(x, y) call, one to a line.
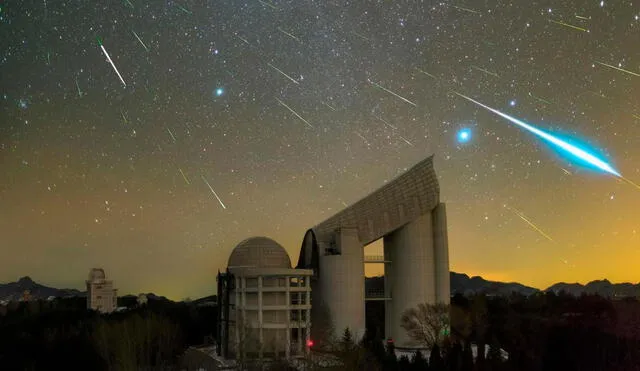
point(237, 119)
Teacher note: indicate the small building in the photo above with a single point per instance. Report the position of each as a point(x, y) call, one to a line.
point(265, 304)
point(101, 295)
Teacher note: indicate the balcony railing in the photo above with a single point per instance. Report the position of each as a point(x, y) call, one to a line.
point(376, 294)
point(375, 259)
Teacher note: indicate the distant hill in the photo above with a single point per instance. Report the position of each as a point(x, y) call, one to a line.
point(600, 287)
point(14, 291)
point(463, 284)
point(460, 283)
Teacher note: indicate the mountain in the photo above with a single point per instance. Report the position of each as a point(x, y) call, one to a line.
point(600, 287)
point(15, 290)
point(460, 283)
point(463, 284)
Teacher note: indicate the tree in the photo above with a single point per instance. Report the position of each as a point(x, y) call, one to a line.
point(346, 343)
point(419, 363)
point(480, 323)
point(427, 324)
point(404, 363)
point(323, 329)
point(435, 359)
point(390, 360)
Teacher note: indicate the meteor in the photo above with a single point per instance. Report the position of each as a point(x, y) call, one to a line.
point(184, 177)
point(294, 112)
point(574, 151)
point(426, 73)
point(390, 92)
point(110, 61)
point(139, 39)
point(485, 71)
point(284, 74)
point(535, 227)
point(212, 191)
point(570, 26)
point(619, 69)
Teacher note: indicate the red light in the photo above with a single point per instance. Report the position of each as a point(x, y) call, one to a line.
point(309, 343)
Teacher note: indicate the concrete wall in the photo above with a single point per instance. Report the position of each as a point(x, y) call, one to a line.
point(341, 283)
point(441, 254)
point(411, 275)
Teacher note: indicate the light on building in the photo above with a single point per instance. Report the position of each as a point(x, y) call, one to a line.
point(309, 343)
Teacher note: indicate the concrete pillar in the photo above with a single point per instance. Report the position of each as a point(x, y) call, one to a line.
point(260, 335)
point(411, 276)
point(342, 283)
point(441, 254)
point(287, 350)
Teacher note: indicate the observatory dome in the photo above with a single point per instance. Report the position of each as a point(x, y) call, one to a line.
point(259, 252)
point(96, 274)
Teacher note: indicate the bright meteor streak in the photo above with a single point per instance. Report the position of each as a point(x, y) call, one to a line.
point(619, 69)
point(390, 92)
point(110, 61)
point(212, 191)
point(568, 147)
point(524, 218)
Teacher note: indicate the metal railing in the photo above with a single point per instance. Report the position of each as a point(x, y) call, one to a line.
point(376, 294)
point(374, 259)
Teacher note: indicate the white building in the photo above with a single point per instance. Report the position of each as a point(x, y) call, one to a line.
point(101, 295)
point(265, 304)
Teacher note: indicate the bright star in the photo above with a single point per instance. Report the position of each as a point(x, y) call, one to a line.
point(464, 135)
point(219, 92)
point(512, 103)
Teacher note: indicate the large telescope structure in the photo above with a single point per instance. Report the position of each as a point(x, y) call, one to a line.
point(408, 215)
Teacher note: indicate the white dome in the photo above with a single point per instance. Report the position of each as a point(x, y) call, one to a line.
point(259, 252)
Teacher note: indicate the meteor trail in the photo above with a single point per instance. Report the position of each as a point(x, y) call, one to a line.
point(184, 177)
point(110, 61)
point(576, 152)
point(268, 4)
point(619, 69)
point(290, 35)
point(426, 73)
point(390, 92)
point(327, 104)
point(539, 99)
point(535, 227)
point(139, 39)
point(212, 191)
point(485, 71)
point(294, 112)
point(386, 123)
point(570, 26)
point(466, 9)
point(78, 86)
point(172, 137)
point(581, 17)
point(287, 76)
point(406, 141)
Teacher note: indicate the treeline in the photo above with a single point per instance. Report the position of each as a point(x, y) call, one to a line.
point(63, 334)
point(544, 331)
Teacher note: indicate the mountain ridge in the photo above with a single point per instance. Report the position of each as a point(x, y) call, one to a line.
point(461, 283)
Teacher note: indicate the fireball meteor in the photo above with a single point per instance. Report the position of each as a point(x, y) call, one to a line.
point(574, 151)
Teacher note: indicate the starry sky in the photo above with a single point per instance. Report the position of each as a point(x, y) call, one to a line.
point(150, 137)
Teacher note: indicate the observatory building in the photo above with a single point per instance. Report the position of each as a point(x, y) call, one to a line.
point(408, 215)
point(101, 295)
point(265, 304)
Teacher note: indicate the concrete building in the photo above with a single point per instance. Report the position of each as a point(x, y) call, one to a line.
point(101, 295)
point(408, 215)
point(265, 304)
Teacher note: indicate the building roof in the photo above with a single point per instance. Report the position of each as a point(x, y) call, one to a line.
point(259, 252)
